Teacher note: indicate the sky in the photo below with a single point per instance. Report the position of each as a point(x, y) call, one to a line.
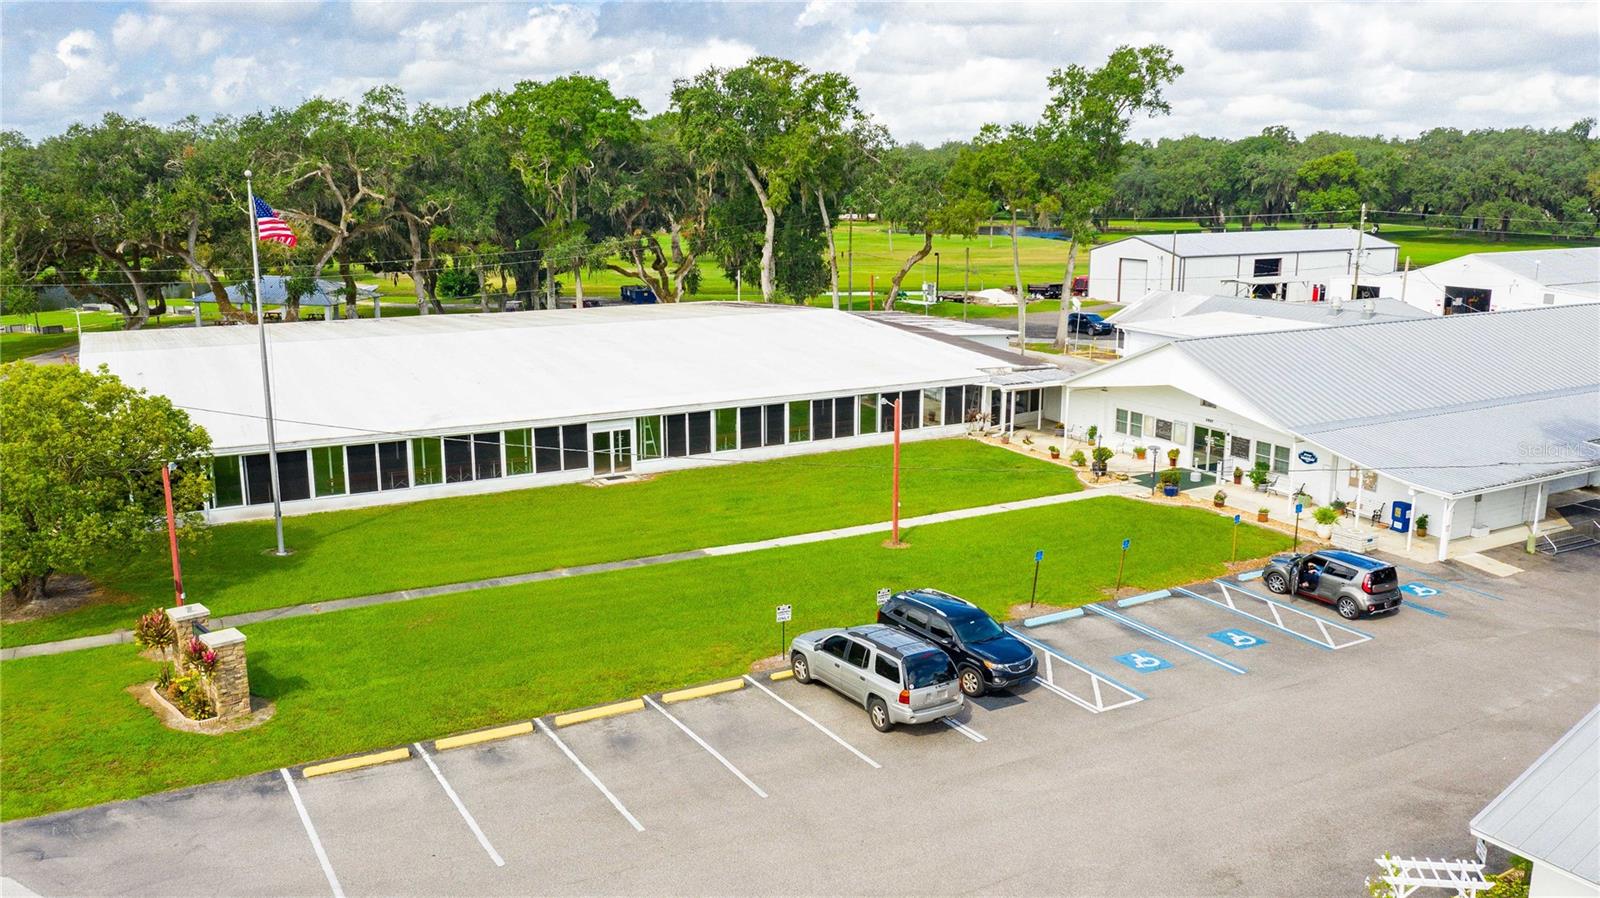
point(929, 71)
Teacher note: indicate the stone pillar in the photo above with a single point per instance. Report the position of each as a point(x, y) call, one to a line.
point(230, 680)
point(185, 618)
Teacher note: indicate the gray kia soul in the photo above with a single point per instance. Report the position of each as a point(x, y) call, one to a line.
point(1353, 583)
point(897, 677)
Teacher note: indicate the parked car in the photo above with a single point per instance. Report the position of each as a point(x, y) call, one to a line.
point(1089, 323)
point(1353, 583)
point(985, 655)
point(895, 676)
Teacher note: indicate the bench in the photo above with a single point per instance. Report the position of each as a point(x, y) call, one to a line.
point(1569, 540)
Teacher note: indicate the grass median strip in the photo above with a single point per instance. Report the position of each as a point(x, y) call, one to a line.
point(397, 674)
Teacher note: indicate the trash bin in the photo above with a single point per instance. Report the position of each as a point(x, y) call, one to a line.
point(1400, 517)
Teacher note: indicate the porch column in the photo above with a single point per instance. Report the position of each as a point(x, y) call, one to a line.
point(1444, 530)
point(1541, 500)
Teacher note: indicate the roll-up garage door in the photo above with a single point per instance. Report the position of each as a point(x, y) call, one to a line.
point(1132, 279)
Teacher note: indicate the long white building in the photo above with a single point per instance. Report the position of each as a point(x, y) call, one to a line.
point(1292, 264)
point(373, 412)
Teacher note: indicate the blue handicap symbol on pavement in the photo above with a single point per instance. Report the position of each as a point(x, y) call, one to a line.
point(1419, 590)
point(1144, 662)
point(1238, 639)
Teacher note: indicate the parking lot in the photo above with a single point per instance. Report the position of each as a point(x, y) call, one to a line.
point(1214, 741)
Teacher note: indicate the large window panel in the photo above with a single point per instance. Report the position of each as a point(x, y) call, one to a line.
point(910, 410)
point(519, 451)
point(799, 421)
point(294, 476)
point(392, 465)
point(677, 436)
point(258, 479)
point(699, 433)
point(227, 481)
point(774, 425)
point(932, 407)
point(458, 458)
point(547, 449)
point(886, 412)
point(650, 436)
point(486, 455)
point(844, 419)
point(952, 405)
point(327, 470)
point(427, 460)
point(868, 418)
point(362, 463)
point(822, 419)
point(574, 447)
point(727, 429)
point(750, 427)
point(973, 403)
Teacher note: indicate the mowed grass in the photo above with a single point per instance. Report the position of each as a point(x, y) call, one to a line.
point(388, 675)
point(372, 550)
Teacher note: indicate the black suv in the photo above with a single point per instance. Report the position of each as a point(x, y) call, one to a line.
point(985, 655)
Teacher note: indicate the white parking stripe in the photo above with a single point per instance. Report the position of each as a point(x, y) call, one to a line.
point(703, 744)
point(807, 718)
point(964, 730)
point(590, 774)
point(311, 831)
point(465, 814)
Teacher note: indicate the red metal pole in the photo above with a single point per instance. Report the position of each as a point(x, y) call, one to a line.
point(895, 535)
point(172, 533)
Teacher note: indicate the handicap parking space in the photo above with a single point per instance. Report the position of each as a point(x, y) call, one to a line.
point(1131, 657)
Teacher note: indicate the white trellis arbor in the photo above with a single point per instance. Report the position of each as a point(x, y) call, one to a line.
point(1408, 874)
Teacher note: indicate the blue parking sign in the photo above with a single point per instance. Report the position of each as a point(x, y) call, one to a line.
point(1144, 662)
point(1125, 544)
point(1038, 555)
point(1420, 590)
point(1238, 639)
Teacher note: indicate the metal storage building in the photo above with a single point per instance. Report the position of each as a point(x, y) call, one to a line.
point(1292, 264)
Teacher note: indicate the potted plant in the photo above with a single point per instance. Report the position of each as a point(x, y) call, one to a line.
point(1238, 476)
point(1259, 476)
point(1055, 451)
point(1262, 513)
point(1339, 505)
point(1078, 458)
point(1102, 454)
point(1139, 452)
point(1219, 499)
point(1422, 525)
point(1093, 432)
point(1325, 516)
point(1169, 482)
point(1172, 457)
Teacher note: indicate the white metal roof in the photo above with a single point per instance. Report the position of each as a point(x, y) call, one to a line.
point(1551, 813)
point(1255, 243)
point(1168, 304)
point(448, 373)
point(1212, 324)
point(1461, 403)
point(1575, 270)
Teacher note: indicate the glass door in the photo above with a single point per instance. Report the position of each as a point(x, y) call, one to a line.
point(1209, 446)
point(600, 446)
point(612, 451)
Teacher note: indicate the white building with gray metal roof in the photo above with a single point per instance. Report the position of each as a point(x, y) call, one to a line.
point(1551, 815)
point(1494, 281)
point(1164, 315)
point(1294, 264)
point(1472, 420)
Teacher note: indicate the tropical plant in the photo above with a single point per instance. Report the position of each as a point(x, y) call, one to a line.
point(1078, 458)
point(1325, 515)
point(1094, 431)
point(1103, 454)
point(154, 630)
point(1259, 475)
point(1220, 498)
point(1173, 453)
point(1171, 477)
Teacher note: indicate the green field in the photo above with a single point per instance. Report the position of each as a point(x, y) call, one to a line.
point(387, 675)
point(371, 550)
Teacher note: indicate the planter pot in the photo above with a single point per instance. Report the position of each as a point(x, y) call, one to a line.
point(1422, 532)
point(1324, 531)
point(1172, 463)
point(1055, 455)
point(1139, 455)
point(1169, 489)
point(1238, 479)
point(1216, 504)
point(1261, 517)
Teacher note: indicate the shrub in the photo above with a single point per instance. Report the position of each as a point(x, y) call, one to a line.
point(1263, 510)
point(1173, 453)
point(154, 630)
point(1325, 514)
point(200, 657)
point(188, 694)
point(1259, 474)
point(1339, 504)
point(1093, 432)
point(1103, 454)
point(164, 678)
point(1078, 459)
point(1220, 497)
point(1171, 477)
point(1422, 521)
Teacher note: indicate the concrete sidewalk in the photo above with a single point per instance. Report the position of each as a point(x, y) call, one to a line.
point(405, 595)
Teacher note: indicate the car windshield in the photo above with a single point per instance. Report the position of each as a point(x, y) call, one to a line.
point(1092, 318)
point(929, 669)
point(978, 629)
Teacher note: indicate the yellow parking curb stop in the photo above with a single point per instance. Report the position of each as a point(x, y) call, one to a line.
point(683, 695)
point(339, 766)
point(572, 717)
point(505, 732)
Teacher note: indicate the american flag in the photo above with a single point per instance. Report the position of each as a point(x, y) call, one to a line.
point(270, 227)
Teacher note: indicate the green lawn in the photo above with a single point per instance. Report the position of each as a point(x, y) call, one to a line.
point(363, 551)
point(388, 675)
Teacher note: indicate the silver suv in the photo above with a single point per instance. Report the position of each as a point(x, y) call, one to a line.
point(897, 677)
point(1353, 583)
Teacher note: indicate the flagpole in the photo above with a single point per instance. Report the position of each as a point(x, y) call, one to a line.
point(266, 378)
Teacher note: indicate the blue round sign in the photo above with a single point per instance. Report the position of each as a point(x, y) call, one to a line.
point(1308, 457)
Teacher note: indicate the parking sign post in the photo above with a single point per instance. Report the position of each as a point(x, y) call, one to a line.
point(1235, 537)
point(1120, 563)
point(785, 613)
point(1297, 509)
point(1038, 556)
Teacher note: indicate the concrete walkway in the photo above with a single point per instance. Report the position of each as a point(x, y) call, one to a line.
point(405, 595)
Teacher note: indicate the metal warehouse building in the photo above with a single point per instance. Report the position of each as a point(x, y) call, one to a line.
point(401, 409)
point(1293, 264)
point(1474, 419)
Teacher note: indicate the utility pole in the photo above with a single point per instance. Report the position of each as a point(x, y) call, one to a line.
point(1355, 283)
point(935, 279)
point(850, 260)
point(172, 524)
point(966, 284)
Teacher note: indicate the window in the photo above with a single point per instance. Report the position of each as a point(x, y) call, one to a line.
point(844, 422)
point(1206, 403)
point(519, 451)
point(458, 458)
point(886, 668)
point(799, 421)
point(649, 438)
point(1163, 430)
point(327, 470)
point(929, 669)
point(932, 407)
point(774, 425)
point(258, 479)
point(972, 405)
point(834, 645)
point(486, 455)
point(574, 447)
point(952, 405)
point(392, 463)
point(1352, 475)
point(1028, 401)
point(1132, 423)
point(699, 433)
point(939, 630)
point(1241, 447)
point(822, 419)
point(727, 429)
point(294, 476)
point(546, 449)
point(750, 427)
point(677, 435)
point(917, 618)
point(886, 412)
point(1275, 458)
point(910, 410)
point(427, 460)
point(855, 654)
point(868, 416)
point(362, 464)
point(227, 482)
